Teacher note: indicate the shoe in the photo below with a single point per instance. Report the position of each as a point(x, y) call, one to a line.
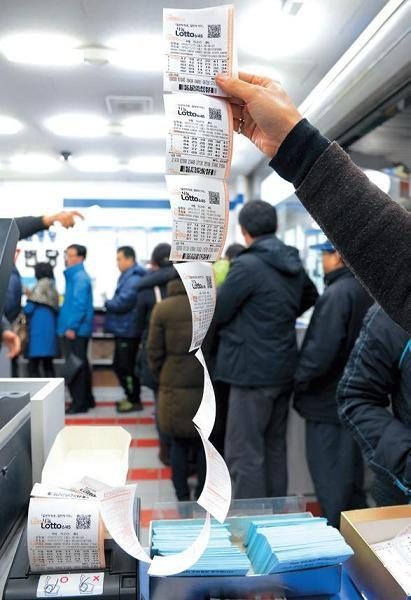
point(126, 406)
point(72, 410)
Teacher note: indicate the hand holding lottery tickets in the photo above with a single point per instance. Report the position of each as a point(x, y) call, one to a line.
point(262, 110)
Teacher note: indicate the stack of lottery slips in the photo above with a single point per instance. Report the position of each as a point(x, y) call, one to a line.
point(287, 544)
point(220, 556)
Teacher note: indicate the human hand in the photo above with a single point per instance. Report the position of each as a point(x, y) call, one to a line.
point(65, 217)
point(12, 341)
point(262, 110)
point(70, 334)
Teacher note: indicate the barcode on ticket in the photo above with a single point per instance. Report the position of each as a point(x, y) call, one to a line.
point(205, 89)
point(199, 170)
point(195, 256)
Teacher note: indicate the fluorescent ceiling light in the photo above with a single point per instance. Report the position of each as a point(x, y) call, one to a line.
point(95, 163)
point(278, 34)
point(9, 126)
point(42, 49)
point(77, 125)
point(147, 164)
point(145, 126)
point(137, 52)
point(34, 163)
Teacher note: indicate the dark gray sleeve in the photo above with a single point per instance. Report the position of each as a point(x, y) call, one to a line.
point(371, 231)
point(29, 225)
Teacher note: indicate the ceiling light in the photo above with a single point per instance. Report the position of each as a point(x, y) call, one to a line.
point(137, 52)
point(145, 126)
point(77, 125)
point(280, 33)
point(43, 49)
point(9, 126)
point(34, 163)
point(95, 163)
point(147, 164)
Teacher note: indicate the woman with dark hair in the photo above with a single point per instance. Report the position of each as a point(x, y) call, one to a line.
point(42, 309)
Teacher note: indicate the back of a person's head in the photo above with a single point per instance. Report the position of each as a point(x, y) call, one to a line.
point(127, 252)
point(258, 218)
point(43, 269)
point(161, 255)
point(233, 250)
point(80, 249)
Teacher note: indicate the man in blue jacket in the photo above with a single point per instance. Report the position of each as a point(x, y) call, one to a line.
point(75, 325)
point(121, 321)
point(266, 289)
point(333, 457)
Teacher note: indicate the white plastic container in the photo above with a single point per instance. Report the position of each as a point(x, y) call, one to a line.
point(97, 452)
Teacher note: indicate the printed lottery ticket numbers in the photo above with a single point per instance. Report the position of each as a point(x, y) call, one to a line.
point(199, 139)
point(199, 209)
point(199, 44)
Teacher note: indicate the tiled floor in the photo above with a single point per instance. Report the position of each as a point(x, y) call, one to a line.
point(152, 477)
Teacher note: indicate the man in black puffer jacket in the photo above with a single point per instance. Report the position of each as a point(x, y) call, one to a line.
point(374, 402)
point(333, 457)
point(265, 291)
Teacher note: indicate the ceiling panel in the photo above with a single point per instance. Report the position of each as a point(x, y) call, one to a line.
point(33, 94)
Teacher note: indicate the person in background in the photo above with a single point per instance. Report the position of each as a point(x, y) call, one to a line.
point(121, 322)
point(374, 403)
point(222, 266)
point(151, 290)
point(333, 457)
point(42, 309)
point(221, 388)
point(266, 289)
point(28, 226)
point(75, 325)
point(12, 305)
point(332, 188)
point(181, 381)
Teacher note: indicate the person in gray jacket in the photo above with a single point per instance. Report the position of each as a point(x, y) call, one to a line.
point(265, 291)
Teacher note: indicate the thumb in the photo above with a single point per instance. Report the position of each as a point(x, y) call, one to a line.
point(235, 87)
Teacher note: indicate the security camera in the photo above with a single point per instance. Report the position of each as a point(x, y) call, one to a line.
point(65, 155)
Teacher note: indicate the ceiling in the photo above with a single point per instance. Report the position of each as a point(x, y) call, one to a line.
point(320, 33)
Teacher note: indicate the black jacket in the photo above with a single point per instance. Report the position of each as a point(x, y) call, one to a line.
point(372, 233)
point(377, 375)
point(29, 226)
point(265, 291)
point(330, 337)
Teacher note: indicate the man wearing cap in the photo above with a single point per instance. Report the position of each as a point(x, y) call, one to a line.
point(333, 457)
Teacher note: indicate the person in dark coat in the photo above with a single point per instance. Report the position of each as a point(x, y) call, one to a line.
point(121, 322)
point(374, 402)
point(266, 289)
point(333, 457)
point(181, 381)
point(151, 290)
point(12, 305)
point(42, 309)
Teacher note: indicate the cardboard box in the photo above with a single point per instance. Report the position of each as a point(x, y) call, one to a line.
point(361, 528)
point(97, 452)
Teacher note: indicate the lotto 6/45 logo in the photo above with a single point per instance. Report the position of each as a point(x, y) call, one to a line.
point(48, 524)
